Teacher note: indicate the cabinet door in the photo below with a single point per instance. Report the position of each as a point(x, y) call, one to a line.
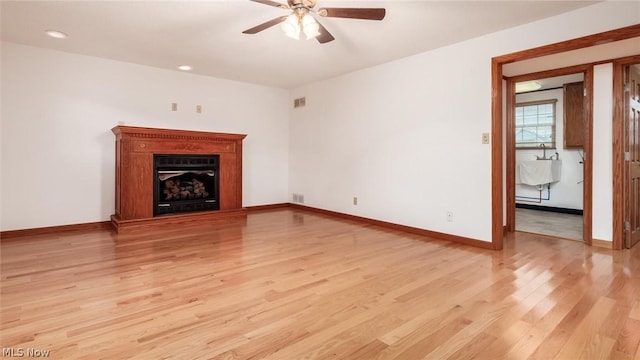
point(574, 115)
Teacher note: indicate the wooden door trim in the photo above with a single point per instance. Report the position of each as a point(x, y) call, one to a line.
point(573, 44)
point(618, 147)
point(587, 185)
point(497, 153)
point(497, 189)
point(511, 155)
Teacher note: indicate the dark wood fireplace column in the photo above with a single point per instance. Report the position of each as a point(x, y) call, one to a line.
point(135, 148)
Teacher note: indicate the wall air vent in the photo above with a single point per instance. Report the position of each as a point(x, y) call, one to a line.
point(299, 102)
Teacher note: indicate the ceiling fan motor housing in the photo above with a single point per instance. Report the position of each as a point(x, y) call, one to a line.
point(309, 4)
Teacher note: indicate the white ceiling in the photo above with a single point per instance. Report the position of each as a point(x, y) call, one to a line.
point(208, 34)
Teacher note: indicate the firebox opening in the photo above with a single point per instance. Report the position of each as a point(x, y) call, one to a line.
point(185, 183)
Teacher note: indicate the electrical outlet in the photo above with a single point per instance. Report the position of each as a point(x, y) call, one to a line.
point(174, 106)
point(199, 109)
point(355, 200)
point(485, 138)
point(449, 216)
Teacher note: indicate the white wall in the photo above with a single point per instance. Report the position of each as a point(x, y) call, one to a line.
point(58, 149)
point(1, 127)
point(603, 152)
point(405, 137)
point(566, 193)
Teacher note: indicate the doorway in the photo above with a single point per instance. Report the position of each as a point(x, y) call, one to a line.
point(548, 127)
point(500, 211)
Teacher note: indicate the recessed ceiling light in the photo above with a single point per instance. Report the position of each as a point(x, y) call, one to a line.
point(56, 34)
point(184, 67)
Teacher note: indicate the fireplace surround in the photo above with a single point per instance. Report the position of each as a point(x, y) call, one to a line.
point(138, 189)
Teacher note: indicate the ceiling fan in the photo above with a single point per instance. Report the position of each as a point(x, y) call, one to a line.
point(300, 20)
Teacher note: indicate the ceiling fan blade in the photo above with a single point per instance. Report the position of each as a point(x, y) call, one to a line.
point(272, 3)
point(265, 25)
point(325, 36)
point(354, 13)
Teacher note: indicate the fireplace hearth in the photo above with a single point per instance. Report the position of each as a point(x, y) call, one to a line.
point(185, 183)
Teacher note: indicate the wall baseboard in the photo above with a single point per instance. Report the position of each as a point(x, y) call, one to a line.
point(394, 226)
point(14, 234)
point(602, 243)
point(267, 207)
point(550, 209)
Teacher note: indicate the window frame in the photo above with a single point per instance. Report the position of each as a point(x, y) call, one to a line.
point(553, 142)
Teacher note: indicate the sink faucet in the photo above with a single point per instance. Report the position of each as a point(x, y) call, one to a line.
point(544, 152)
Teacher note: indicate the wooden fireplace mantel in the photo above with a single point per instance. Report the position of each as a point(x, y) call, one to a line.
point(135, 147)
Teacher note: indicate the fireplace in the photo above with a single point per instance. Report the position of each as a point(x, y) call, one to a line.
point(167, 177)
point(185, 183)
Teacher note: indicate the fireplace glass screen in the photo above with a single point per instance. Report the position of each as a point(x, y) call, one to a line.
point(185, 183)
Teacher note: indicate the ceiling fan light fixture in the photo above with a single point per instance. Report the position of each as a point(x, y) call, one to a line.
point(300, 22)
point(291, 26)
point(302, 18)
point(310, 26)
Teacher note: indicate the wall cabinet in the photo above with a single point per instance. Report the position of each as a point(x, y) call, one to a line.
point(574, 121)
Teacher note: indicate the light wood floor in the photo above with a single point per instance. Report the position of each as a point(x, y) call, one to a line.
point(289, 284)
point(567, 226)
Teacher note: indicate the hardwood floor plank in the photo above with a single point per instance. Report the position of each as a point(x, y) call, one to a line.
point(586, 334)
point(472, 349)
point(635, 312)
point(366, 352)
point(505, 341)
point(628, 340)
point(541, 331)
point(293, 284)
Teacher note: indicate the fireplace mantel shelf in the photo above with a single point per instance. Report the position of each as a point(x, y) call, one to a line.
point(169, 134)
point(135, 148)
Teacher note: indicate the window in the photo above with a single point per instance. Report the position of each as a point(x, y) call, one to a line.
point(536, 124)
